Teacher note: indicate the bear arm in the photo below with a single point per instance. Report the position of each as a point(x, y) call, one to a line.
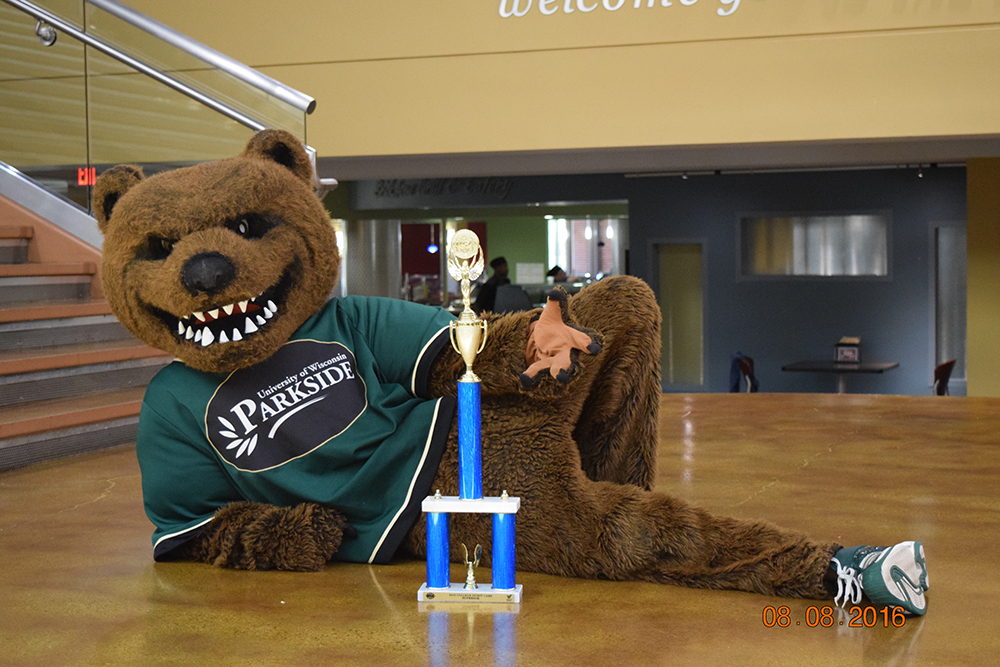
point(499, 365)
point(258, 536)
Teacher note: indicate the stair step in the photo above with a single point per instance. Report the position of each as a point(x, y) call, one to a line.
point(63, 382)
point(50, 310)
point(16, 232)
point(14, 244)
point(52, 269)
point(72, 377)
point(20, 289)
point(62, 413)
point(50, 445)
point(62, 331)
point(13, 251)
point(28, 361)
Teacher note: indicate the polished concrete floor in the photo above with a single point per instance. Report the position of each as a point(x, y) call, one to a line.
point(78, 586)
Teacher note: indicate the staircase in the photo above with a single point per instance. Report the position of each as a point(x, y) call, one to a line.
point(71, 377)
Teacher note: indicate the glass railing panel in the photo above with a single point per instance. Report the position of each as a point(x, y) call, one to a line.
point(70, 110)
point(221, 85)
point(43, 104)
point(70, 11)
point(135, 119)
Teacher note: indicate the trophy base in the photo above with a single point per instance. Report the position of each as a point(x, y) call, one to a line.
point(485, 593)
point(469, 608)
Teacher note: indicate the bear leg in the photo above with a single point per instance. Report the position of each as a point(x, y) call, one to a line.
point(570, 525)
point(616, 430)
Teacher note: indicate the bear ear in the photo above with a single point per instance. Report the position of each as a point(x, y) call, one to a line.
point(285, 149)
point(109, 188)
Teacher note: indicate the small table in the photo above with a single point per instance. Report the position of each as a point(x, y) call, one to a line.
point(841, 368)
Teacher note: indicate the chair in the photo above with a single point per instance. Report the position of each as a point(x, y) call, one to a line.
point(942, 373)
point(742, 369)
point(511, 298)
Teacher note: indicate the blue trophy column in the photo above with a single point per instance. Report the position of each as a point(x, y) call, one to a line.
point(437, 550)
point(469, 444)
point(503, 551)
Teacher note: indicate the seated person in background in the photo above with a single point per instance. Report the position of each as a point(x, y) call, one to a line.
point(488, 292)
point(557, 274)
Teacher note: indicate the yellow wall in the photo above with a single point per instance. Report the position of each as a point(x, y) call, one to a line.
point(983, 334)
point(447, 76)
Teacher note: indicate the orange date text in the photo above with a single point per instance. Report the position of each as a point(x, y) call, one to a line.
point(825, 617)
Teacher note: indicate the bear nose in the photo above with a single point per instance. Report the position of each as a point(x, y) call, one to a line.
point(207, 272)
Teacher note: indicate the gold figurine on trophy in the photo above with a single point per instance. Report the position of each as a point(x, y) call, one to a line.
point(471, 565)
point(468, 332)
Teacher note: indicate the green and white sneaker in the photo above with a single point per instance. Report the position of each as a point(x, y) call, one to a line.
point(890, 576)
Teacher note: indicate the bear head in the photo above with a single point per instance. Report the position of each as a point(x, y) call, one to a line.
point(218, 263)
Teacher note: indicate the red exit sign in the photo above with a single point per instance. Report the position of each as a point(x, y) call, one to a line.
point(86, 175)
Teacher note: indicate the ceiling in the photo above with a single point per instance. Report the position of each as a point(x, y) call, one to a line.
point(791, 156)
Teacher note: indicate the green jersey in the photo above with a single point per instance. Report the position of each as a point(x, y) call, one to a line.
point(339, 416)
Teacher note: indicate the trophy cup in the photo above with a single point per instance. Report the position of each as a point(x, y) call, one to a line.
point(468, 336)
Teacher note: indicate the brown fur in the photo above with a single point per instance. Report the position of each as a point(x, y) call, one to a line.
point(574, 436)
point(256, 536)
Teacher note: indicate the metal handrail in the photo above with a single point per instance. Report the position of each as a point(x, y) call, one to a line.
point(208, 55)
point(71, 30)
point(41, 201)
point(322, 185)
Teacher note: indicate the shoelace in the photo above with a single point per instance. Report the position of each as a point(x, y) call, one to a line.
point(849, 579)
point(848, 584)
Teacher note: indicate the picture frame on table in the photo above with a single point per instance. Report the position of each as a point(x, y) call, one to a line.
point(848, 350)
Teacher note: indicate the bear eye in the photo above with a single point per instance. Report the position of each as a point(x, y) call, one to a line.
point(251, 225)
point(156, 248)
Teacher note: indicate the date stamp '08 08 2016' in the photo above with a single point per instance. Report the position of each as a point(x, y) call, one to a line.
point(856, 617)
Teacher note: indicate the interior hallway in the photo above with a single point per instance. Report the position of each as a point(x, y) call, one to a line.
point(78, 585)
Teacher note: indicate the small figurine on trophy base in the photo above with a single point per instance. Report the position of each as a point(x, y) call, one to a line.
point(471, 565)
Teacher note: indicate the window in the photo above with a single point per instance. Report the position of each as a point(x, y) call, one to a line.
point(831, 245)
point(585, 248)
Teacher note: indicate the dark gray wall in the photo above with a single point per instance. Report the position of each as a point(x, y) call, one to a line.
point(779, 321)
point(773, 321)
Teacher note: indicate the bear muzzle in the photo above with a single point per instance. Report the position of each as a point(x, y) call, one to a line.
point(208, 272)
point(227, 322)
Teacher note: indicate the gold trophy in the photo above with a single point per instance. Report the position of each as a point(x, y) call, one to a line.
point(468, 332)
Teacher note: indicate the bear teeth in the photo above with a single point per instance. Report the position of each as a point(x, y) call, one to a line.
point(195, 328)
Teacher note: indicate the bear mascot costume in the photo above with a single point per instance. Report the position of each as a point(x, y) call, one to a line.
point(294, 428)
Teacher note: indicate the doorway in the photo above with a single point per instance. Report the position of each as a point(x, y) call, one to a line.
point(950, 298)
point(680, 293)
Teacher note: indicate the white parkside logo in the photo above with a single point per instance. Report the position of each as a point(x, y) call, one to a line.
point(287, 406)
